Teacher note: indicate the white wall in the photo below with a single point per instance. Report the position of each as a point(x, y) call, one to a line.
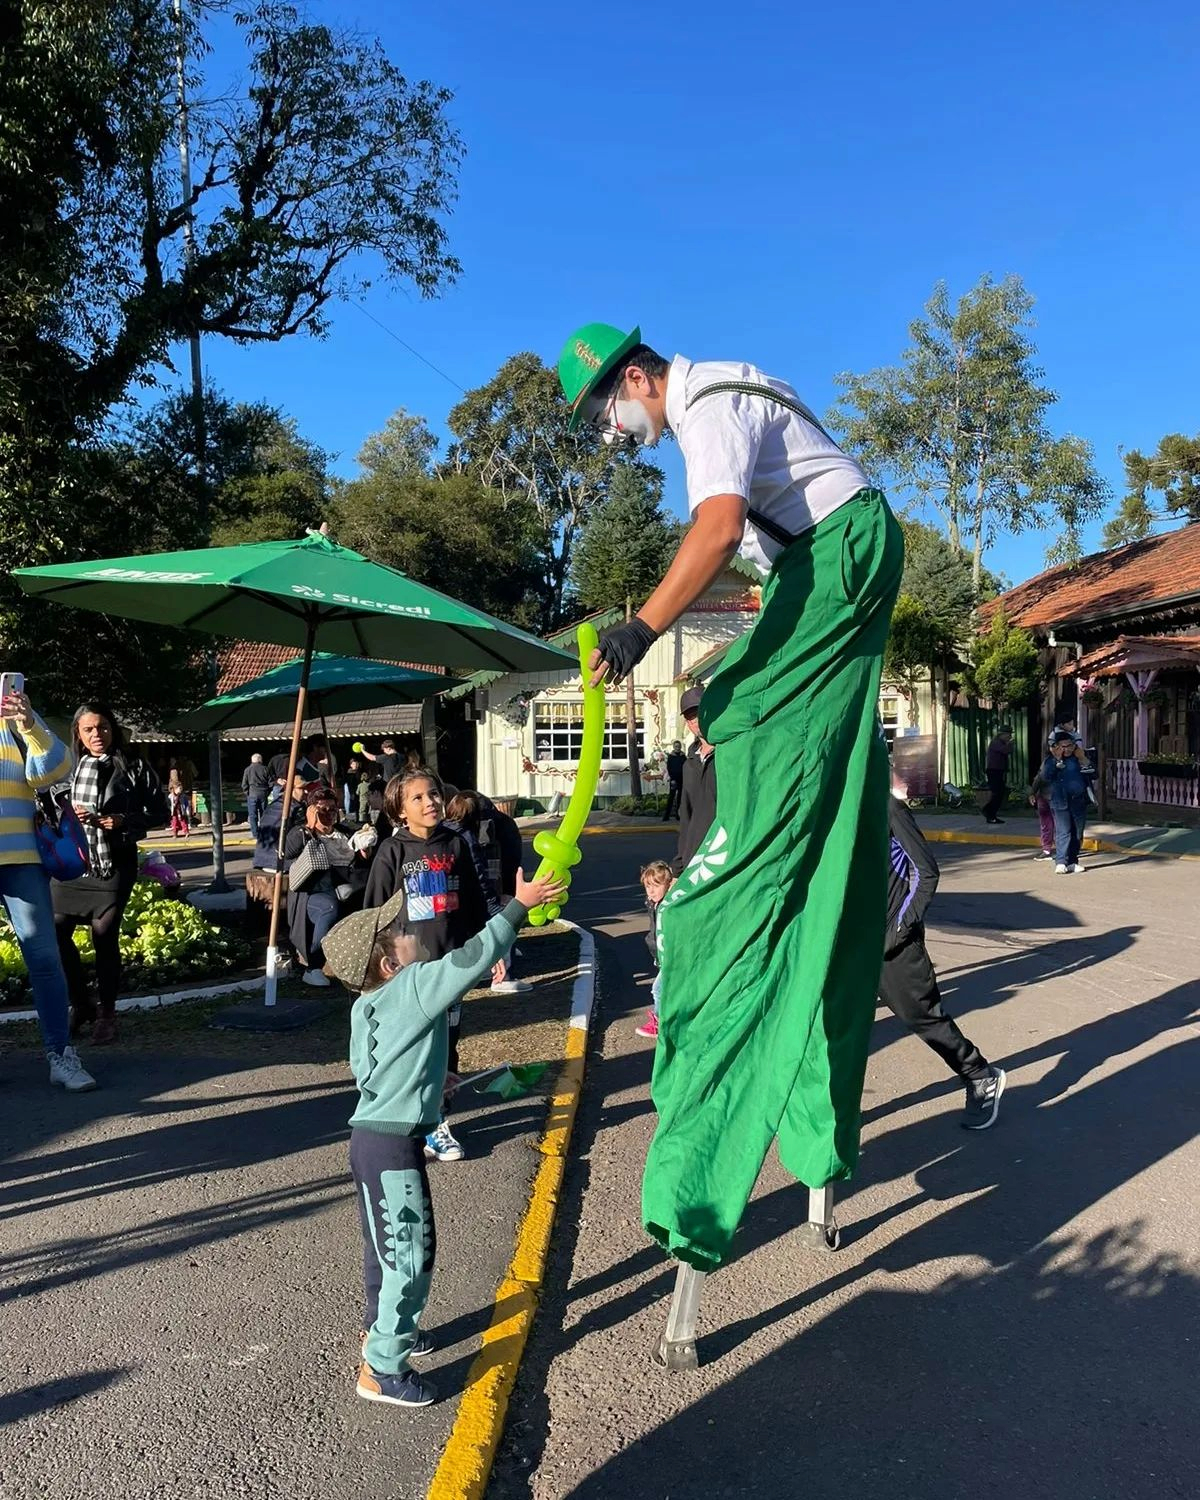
point(507, 764)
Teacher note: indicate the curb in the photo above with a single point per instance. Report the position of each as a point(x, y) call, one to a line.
point(156, 1002)
point(1088, 844)
point(466, 1462)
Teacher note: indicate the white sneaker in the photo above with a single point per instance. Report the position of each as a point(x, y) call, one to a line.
point(1078, 869)
point(512, 987)
point(317, 979)
point(1062, 870)
point(69, 1072)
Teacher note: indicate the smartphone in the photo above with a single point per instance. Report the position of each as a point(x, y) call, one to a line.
point(11, 682)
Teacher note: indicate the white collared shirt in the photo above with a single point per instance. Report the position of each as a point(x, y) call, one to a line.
point(735, 444)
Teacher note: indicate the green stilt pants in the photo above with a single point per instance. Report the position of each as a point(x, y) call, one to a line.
point(772, 938)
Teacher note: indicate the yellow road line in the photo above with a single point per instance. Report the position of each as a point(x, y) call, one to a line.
point(466, 1462)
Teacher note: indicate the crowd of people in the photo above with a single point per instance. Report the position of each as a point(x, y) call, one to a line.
point(364, 841)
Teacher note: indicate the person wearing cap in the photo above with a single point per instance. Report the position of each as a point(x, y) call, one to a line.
point(773, 935)
point(399, 1050)
point(996, 770)
point(698, 794)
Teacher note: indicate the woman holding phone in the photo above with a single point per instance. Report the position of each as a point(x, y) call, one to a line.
point(33, 758)
point(118, 798)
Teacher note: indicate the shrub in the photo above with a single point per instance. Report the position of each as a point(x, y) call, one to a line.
point(653, 805)
point(163, 941)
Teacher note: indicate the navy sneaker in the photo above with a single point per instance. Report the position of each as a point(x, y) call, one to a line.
point(405, 1389)
point(983, 1100)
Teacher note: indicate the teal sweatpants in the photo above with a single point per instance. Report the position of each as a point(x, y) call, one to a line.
point(772, 938)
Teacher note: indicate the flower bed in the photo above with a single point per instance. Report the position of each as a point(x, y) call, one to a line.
point(163, 941)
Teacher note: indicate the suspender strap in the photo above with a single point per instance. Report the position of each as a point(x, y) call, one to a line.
point(756, 518)
point(748, 388)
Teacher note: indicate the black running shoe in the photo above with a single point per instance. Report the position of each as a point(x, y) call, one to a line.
point(983, 1100)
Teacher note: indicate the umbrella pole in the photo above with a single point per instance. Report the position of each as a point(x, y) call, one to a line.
point(216, 813)
point(293, 758)
point(333, 779)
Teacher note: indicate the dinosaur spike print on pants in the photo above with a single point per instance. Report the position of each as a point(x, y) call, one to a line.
point(399, 1242)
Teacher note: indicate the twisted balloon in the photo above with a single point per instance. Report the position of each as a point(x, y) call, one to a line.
point(560, 850)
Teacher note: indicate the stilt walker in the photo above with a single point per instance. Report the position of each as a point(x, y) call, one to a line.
point(772, 938)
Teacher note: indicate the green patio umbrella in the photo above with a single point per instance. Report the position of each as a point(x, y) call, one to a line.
point(336, 685)
point(305, 593)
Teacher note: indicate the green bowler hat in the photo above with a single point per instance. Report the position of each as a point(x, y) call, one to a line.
point(588, 356)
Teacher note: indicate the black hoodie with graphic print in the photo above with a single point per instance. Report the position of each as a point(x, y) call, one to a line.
point(443, 901)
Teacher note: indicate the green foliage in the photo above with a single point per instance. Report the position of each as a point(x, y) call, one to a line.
point(961, 424)
point(1004, 664)
point(939, 577)
point(627, 544)
point(448, 531)
point(163, 941)
point(328, 155)
point(915, 643)
point(653, 805)
point(1173, 469)
point(511, 435)
point(262, 480)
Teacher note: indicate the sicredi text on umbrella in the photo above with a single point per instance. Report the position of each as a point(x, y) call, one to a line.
point(308, 592)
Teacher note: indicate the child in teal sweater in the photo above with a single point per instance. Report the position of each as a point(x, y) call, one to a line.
point(399, 1041)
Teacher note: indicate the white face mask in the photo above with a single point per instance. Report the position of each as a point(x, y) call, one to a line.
point(635, 422)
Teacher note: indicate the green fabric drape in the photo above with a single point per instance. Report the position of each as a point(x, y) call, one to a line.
point(772, 939)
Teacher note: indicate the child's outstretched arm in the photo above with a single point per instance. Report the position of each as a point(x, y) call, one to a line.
point(443, 982)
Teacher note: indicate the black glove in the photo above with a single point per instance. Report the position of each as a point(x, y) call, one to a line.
point(623, 647)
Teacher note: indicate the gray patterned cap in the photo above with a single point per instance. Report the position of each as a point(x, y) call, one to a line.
point(348, 945)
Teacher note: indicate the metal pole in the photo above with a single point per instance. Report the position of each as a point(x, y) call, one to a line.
point(293, 757)
point(216, 797)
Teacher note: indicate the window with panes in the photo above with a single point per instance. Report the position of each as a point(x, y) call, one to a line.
point(558, 732)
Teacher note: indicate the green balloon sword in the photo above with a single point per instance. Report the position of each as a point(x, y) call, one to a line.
point(560, 851)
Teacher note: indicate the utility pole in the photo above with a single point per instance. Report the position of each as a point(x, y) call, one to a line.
point(216, 799)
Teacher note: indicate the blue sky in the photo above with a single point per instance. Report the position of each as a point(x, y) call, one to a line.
point(784, 184)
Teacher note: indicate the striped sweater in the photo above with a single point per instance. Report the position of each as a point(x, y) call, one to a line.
point(46, 764)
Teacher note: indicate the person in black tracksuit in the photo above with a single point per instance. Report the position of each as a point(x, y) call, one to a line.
point(698, 792)
point(908, 983)
point(676, 760)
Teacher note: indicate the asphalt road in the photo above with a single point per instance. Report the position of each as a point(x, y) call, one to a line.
point(180, 1272)
point(1011, 1313)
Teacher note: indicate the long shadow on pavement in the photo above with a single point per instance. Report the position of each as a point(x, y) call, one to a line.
point(1004, 1370)
point(1063, 1366)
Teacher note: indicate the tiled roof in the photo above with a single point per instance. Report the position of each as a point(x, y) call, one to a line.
point(704, 666)
point(1133, 653)
point(1142, 576)
point(244, 660)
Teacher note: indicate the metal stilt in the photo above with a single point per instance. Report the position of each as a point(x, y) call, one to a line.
point(677, 1347)
point(821, 1231)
